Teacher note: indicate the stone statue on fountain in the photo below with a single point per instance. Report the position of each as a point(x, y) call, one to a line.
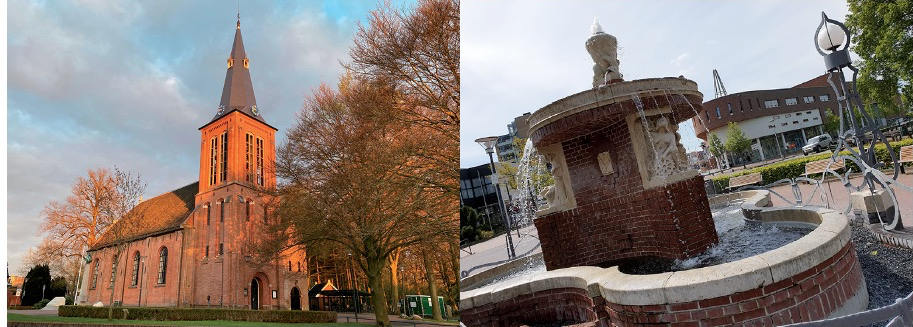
point(556, 196)
point(669, 157)
point(603, 48)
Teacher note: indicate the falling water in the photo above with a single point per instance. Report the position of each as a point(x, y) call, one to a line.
point(531, 171)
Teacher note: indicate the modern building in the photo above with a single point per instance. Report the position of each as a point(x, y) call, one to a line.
point(778, 122)
point(506, 147)
point(477, 191)
point(194, 246)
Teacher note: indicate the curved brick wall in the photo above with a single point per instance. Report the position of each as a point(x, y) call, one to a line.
point(568, 305)
point(617, 217)
point(610, 226)
point(810, 295)
point(815, 277)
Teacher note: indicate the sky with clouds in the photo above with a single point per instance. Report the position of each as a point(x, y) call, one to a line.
point(101, 83)
point(518, 56)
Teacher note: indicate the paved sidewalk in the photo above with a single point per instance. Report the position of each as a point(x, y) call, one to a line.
point(495, 249)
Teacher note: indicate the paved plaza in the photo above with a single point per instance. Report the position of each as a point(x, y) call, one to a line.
point(494, 250)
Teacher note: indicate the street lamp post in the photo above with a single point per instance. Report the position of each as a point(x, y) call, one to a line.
point(488, 143)
point(832, 36)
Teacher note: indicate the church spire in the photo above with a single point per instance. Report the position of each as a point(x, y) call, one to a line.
point(238, 91)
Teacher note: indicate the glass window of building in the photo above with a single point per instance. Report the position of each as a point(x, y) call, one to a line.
point(809, 99)
point(824, 98)
point(730, 108)
point(771, 103)
point(718, 113)
point(791, 101)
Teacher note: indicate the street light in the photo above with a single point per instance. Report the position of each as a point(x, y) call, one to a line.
point(488, 143)
point(832, 36)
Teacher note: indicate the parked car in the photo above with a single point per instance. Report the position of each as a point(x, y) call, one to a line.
point(817, 144)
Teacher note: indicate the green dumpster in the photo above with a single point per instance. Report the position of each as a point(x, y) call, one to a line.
point(421, 305)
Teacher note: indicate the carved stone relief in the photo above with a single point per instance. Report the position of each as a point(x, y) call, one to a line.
point(559, 196)
point(605, 163)
point(657, 145)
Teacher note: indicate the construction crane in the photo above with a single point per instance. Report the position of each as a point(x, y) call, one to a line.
point(718, 87)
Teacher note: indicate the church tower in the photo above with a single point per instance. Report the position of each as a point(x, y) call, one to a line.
point(237, 151)
point(237, 143)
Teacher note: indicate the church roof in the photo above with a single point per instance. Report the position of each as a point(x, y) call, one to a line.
point(159, 215)
point(238, 91)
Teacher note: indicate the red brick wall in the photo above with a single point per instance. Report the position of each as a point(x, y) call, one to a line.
point(810, 295)
point(147, 291)
point(616, 219)
point(544, 307)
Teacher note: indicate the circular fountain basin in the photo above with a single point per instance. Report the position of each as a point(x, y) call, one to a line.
point(812, 278)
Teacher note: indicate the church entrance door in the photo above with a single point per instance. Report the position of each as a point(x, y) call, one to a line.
point(255, 294)
point(296, 299)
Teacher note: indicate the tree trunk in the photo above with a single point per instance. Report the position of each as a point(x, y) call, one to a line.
point(394, 279)
point(114, 273)
point(429, 275)
point(378, 299)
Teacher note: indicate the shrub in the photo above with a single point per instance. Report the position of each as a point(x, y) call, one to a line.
point(486, 234)
point(796, 167)
point(41, 304)
point(169, 314)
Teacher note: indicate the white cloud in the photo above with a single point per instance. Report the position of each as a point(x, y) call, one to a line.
point(680, 59)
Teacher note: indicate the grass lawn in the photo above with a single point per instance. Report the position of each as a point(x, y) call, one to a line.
point(19, 317)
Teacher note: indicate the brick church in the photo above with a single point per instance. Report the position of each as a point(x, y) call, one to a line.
point(193, 247)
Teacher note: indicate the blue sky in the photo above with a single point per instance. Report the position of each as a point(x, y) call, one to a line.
point(517, 57)
point(101, 83)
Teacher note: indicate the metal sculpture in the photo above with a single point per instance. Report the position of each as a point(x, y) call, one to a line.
point(830, 37)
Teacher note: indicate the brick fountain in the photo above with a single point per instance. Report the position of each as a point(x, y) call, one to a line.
point(623, 195)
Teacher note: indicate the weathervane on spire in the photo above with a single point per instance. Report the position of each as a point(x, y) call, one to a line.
point(239, 15)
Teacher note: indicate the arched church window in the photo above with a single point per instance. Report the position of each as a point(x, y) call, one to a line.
point(299, 266)
point(163, 265)
point(95, 274)
point(113, 270)
point(221, 211)
point(135, 277)
point(208, 212)
point(247, 208)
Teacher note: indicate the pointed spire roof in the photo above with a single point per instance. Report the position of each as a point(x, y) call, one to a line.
point(238, 91)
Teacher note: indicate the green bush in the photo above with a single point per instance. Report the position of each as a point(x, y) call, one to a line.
point(195, 314)
point(40, 304)
point(796, 167)
point(486, 234)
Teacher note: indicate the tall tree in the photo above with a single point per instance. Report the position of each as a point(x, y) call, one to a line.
point(883, 38)
point(342, 181)
point(418, 53)
point(736, 141)
point(37, 283)
point(80, 220)
point(128, 189)
point(430, 277)
point(716, 148)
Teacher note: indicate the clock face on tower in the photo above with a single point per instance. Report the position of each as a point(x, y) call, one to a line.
point(255, 110)
point(221, 109)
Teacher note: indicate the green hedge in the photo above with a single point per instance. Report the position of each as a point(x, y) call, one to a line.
point(796, 167)
point(196, 314)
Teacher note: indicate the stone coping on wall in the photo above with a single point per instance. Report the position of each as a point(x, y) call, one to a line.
point(487, 275)
point(820, 245)
point(609, 94)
